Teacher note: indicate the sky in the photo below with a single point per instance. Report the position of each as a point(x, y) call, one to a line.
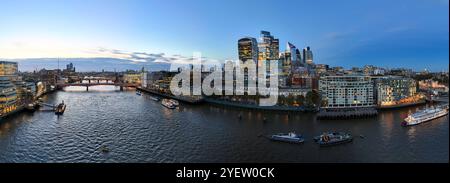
point(386, 33)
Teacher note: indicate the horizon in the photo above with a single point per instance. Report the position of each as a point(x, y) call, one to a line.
point(410, 35)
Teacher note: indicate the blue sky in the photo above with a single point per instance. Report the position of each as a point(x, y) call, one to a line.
point(387, 33)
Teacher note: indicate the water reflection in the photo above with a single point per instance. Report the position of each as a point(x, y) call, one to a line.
point(138, 129)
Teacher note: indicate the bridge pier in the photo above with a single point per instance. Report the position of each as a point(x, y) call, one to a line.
point(121, 88)
point(87, 88)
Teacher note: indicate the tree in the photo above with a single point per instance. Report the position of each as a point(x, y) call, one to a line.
point(312, 98)
point(300, 99)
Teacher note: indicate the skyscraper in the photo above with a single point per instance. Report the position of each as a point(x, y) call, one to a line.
point(308, 56)
point(268, 47)
point(248, 49)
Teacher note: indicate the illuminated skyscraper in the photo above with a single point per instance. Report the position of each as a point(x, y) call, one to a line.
point(268, 47)
point(248, 49)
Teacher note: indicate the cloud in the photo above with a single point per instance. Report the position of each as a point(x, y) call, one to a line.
point(145, 57)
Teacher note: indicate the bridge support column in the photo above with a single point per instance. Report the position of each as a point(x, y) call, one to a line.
point(121, 88)
point(87, 88)
point(89, 81)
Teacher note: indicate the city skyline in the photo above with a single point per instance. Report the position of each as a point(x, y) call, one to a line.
point(387, 36)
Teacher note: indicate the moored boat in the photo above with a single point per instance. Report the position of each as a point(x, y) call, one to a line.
point(425, 115)
point(288, 137)
point(333, 138)
point(154, 98)
point(30, 107)
point(60, 108)
point(168, 104)
point(174, 102)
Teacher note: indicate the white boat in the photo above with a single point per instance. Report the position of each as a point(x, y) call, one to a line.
point(288, 137)
point(174, 102)
point(168, 104)
point(154, 98)
point(425, 115)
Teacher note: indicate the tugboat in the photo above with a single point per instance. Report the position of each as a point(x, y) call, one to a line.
point(168, 104)
point(333, 138)
point(425, 115)
point(59, 110)
point(288, 137)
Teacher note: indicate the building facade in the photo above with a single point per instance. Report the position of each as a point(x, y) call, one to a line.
point(248, 49)
point(8, 68)
point(346, 91)
point(8, 96)
point(393, 91)
point(268, 47)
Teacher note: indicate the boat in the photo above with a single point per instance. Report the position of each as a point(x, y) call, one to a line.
point(104, 149)
point(425, 115)
point(168, 104)
point(154, 98)
point(60, 108)
point(288, 137)
point(333, 138)
point(30, 107)
point(138, 93)
point(174, 102)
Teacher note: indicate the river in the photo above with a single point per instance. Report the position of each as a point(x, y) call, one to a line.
point(138, 129)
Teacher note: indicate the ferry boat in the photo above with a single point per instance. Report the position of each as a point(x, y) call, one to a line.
point(288, 137)
point(333, 138)
point(60, 108)
point(174, 102)
point(425, 115)
point(168, 104)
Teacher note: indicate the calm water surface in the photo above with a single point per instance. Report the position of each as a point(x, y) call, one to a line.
point(138, 129)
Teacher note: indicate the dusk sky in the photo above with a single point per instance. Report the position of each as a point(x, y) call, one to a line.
point(386, 33)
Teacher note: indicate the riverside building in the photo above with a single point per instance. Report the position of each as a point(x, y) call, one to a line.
point(8, 68)
point(347, 91)
point(8, 93)
point(8, 96)
point(396, 91)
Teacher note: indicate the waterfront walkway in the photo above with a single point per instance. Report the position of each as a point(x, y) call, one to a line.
point(191, 100)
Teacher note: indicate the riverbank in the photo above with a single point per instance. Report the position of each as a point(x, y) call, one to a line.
point(256, 107)
point(12, 113)
point(191, 100)
point(22, 107)
point(402, 105)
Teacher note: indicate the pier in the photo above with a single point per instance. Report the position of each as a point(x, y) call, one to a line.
point(347, 113)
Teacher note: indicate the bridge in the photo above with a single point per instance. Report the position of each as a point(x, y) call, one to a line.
point(87, 85)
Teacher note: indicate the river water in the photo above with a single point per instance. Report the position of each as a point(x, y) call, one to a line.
point(138, 129)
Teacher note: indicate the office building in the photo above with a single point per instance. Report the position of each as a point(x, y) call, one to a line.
point(248, 49)
point(8, 96)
